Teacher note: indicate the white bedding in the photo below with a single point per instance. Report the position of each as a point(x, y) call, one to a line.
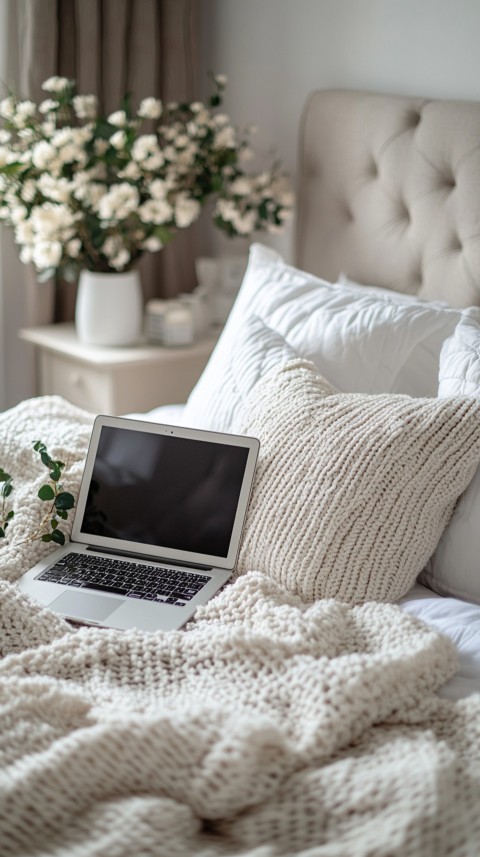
point(267, 727)
point(458, 620)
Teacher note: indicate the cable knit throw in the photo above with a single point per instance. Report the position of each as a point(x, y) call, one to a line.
point(352, 492)
point(268, 727)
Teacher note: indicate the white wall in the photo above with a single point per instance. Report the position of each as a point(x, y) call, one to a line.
point(275, 52)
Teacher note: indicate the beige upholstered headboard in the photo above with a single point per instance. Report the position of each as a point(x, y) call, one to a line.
point(389, 193)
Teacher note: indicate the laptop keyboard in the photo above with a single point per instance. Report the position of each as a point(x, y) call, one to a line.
point(131, 579)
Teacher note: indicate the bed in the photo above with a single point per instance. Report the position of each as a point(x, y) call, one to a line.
point(305, 710)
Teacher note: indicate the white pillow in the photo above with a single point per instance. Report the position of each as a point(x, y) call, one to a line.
point(423, 362)
point(352, 491)
point(359, 340)
point(253, 351)
point(454, 568)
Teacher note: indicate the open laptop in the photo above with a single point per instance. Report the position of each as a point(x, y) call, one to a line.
point(157, 526)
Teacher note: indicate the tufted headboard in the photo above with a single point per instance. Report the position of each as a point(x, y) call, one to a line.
point(389, 193)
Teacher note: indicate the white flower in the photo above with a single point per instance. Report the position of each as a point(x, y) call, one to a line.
point(181, 141)
point(26, 133)
point(245, 154)
point(170, 153)
point(118, 202)
point(186, 210)
point(7, 108)
point(43, 154)
point(48, 127)
point(244, 224)
point(46, 254)
point(221, 80)
point(5, 136)
point(225, 138)
point(241, 186)
point(153, 162)
point(145, 145)
point(28, 191)
point(73, 248)
point(118, 139)
point(55, 84)
point(26, 109)
point(131, 171)
point(158, 189)
point(56, 189)
point(155, 211)
point(51, 221)
point(153, 244)
point(111, 246)
point(26, 254)
point(85, 106)
point(226, 209)
point(119, 119)
point(120, 260)
point(47, 106)
point(150, 108)
point(18, 213)
point(24, 233)
point(100, 147)
point(196, 106)
point(220, 120)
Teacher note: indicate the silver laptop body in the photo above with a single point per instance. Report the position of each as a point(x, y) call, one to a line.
point(161, 509)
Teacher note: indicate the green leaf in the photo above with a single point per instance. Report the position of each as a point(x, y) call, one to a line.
point(46, 460)
point(55, 473)
point(39, 446)
point(58, 537)
point(7, 489)
point(4, 477)
point(2, 533)
point(47, 274)
point(62, 514)
point(64, 501)
point(47, 537)
point(10, 515)
point(46, 492)
point(54, 523)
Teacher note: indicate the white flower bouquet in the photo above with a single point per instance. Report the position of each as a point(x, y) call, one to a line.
point(84, 191)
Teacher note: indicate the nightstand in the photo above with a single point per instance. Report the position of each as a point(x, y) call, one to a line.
point(115, 380)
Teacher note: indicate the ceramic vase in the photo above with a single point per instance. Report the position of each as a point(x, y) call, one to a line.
point(109, 308)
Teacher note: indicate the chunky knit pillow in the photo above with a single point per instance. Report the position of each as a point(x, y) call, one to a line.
point(352, 491)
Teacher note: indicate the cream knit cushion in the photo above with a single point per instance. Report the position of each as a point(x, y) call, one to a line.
point(352, 491)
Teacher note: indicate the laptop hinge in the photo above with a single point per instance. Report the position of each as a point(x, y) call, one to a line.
point(149, 557)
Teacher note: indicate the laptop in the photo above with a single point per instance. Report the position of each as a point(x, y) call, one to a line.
point(157, 526)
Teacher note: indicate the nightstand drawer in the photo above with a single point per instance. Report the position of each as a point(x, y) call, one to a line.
point(81, 385)
point(115, 380)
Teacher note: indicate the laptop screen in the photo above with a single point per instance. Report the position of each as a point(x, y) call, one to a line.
point(164, 490)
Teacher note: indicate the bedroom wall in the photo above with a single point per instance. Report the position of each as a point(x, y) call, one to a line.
point(275, 52)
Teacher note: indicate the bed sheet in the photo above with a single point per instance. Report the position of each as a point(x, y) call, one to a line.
point(458, 620)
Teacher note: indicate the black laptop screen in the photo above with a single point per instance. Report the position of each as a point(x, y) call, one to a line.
point(164, 490)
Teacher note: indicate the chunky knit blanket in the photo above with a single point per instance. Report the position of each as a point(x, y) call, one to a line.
point(267, 727)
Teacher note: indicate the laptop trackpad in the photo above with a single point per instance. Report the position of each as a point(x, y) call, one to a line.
point(81, 605)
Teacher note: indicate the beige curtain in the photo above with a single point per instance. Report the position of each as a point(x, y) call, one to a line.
point(146, 47)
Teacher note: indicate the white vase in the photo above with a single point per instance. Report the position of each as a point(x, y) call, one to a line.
point(109, 308)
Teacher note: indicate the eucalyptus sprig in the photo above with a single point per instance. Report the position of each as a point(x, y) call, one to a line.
point(6, 514)
point(52, 492)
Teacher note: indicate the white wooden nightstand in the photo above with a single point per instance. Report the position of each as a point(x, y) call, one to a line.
point(115, 380)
